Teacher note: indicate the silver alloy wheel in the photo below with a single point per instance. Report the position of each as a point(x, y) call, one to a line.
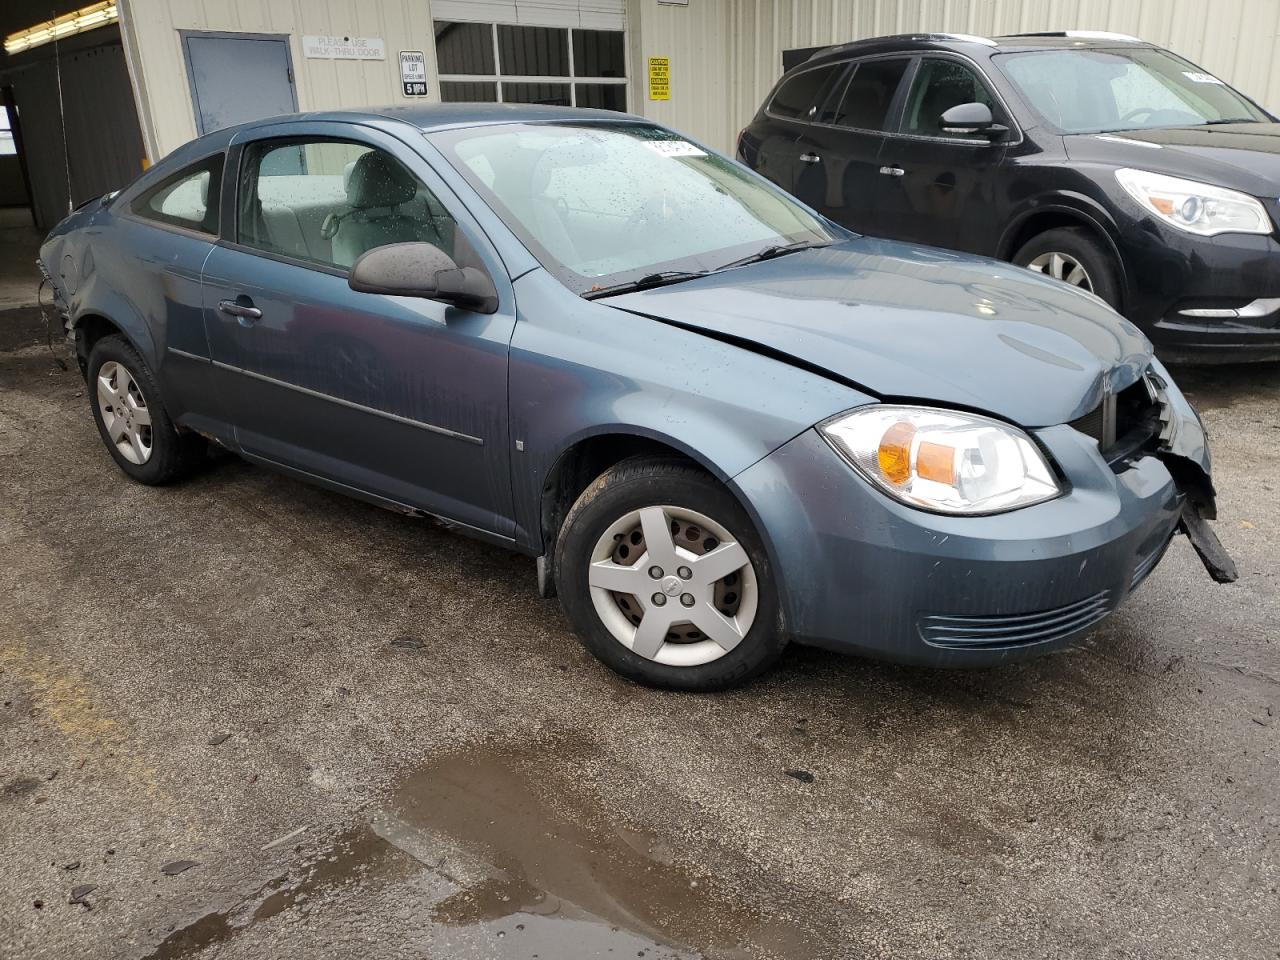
point(673, 586)
point(1064, 267)
point(124, 412)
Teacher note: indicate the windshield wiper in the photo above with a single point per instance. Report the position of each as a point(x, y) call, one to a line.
point(1214, 123)
point(776, 250)
point(647, 282)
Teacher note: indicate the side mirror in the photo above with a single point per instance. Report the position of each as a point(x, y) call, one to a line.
point(422, 270)
point(972, 118)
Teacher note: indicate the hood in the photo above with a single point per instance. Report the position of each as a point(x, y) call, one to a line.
point(1243, 156)
point(915, 323)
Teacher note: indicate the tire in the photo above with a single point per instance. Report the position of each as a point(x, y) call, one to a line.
point(134, 425)
point(597, 548)
point(1074, 245)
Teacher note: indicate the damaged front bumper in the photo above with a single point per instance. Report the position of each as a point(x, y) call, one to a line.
point(862, 573)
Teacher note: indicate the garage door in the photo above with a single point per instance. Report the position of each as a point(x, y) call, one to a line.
point(562, 52)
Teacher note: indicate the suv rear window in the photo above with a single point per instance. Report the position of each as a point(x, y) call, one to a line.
point(797, 96)
point(870, 94)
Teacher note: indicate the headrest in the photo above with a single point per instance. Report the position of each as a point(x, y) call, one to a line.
point(379, 181)
point(204, 190)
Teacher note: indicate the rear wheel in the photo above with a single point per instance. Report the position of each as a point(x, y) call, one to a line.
point(132, 420)
point(1075, 256)
point(664, 578)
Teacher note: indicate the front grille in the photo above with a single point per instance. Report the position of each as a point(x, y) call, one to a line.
point(1126, 423)
point(1013, 630)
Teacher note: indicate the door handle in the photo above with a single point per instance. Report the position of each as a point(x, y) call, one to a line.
point(242, 309)
point(894, 171)
point(810, 158)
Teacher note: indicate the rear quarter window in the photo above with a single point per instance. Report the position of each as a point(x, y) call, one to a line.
point(796, 97)
point(187, 199)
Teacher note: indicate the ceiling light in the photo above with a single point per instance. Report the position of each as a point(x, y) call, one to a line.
point(78, 21)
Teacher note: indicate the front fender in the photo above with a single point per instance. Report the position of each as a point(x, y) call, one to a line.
point(582, 369)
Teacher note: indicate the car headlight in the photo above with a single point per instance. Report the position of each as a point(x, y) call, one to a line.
point(1195, 207)
point(943, 460)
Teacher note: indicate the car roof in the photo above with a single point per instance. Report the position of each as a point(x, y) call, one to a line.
point(973, 45)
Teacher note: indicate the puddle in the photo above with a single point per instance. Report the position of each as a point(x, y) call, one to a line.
point(566, 862)
point(521, 877)
point(358, 856)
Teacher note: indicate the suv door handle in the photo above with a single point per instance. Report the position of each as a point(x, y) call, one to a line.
point(810, 158)
point(894, 171)
point(241, 308)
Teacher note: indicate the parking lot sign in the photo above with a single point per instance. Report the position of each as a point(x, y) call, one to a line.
point(413, 73)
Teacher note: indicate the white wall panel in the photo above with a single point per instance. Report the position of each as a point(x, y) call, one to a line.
point(153, 27)
point(727, 54)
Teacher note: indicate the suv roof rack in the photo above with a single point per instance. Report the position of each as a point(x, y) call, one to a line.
point(1084, 35)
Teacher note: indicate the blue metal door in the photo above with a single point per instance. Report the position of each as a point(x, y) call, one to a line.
point(237, 77)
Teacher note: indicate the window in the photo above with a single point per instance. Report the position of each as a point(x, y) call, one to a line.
point(801, 94)
point(940, 85)
point(6, 135)
point(329, 201)
point(1095, 91)
point(508, 63)
point(604, 203)
point(870, 93)
point(188, 199)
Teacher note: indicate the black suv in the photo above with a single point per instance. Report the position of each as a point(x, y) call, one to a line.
point(1099, 159)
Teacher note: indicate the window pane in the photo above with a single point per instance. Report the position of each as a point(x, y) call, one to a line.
point(598, 53)
point(455, 91)
point(870, 93)
point(330, 201)
point(939, 86)
point(533, 51)
point(187, 199)
point(553, 94)
point(464, 48)
point(798, 95)
point(603, 96)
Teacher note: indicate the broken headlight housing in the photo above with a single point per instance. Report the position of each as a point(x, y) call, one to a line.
point(943, 460)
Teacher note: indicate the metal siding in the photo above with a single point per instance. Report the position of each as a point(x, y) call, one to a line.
point(103, 140)
point(320, 84)
point(727, 54)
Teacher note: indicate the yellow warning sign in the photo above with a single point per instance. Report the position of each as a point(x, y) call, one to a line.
point(659, 78)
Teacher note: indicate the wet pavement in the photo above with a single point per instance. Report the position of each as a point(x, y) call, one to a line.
point(374, 740)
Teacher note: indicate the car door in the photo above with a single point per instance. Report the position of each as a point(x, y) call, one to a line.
point(788, 115)
point(838, 152)
point(941, 188)
point(401, 398)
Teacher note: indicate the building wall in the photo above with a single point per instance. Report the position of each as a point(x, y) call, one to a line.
point(726, 54)
point(160, 68)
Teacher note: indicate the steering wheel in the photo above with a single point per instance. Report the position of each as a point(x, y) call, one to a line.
point(1134, 114)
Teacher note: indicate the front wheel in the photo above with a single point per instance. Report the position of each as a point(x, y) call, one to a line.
point(1074, 256)
point(663, 576)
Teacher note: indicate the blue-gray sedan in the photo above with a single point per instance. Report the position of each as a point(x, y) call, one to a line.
point(717, 420)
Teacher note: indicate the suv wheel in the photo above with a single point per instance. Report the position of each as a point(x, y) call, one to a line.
point(131, 419)
point(663, 576)
point(1073, 255)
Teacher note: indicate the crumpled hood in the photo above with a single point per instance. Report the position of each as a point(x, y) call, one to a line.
point(916, 323)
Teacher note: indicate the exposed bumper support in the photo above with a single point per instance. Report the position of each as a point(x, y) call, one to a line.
point(1208, 547)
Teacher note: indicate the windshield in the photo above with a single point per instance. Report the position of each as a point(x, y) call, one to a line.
point(606, 203)
point(1130, 88)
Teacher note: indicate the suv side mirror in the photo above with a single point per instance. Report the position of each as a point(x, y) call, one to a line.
point(972, 118)
point(419, 269)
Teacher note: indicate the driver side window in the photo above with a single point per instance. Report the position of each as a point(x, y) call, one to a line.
point(329, 201)
point(940, 85)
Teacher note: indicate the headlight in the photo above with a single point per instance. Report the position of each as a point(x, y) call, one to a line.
point(943, 460)
point(1195, 207)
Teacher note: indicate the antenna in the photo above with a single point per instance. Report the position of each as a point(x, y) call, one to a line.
point(62, 113)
